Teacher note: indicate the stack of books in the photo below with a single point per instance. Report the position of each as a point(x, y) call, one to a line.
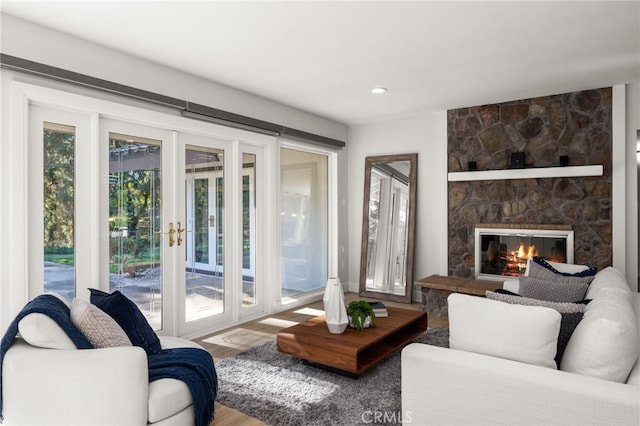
point(379, 309)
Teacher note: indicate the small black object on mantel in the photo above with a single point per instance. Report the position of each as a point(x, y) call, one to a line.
point(472, 166)
point(564, 160)
point(517, 160)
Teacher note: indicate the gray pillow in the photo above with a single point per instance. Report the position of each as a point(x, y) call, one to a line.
point(520, 300)
point(535, 270)
point(552, 291)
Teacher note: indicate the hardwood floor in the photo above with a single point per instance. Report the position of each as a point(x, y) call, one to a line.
point(254, 333)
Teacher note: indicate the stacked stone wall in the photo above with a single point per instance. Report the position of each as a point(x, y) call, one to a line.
point(577, 125)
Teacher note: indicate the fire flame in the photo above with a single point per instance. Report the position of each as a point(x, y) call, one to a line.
point(522, 254)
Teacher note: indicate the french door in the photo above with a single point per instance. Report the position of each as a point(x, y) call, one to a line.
point(168, 218)
point(200, 207)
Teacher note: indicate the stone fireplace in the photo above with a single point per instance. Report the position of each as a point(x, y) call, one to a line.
point(502, 251)
point(571, 129)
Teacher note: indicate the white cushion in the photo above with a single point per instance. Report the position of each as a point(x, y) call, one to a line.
point(41, 331)
point(169, 396)
point(568, 268)
point(634, 376)
point(512, 285)
point(166, 398)
point(565, 268)
point(169, 342)
point(520, 333)
point(605, 343)
point(607, 278)
point(98, 327)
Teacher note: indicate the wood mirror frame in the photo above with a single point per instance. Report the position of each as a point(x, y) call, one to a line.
point(385, 165)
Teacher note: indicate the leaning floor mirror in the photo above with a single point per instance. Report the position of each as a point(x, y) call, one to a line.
point(388, 221)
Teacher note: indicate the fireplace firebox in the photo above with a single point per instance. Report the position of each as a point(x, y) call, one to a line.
point(502, 252)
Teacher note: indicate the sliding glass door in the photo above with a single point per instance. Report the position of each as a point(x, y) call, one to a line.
point(305, 229)
point(254, 252)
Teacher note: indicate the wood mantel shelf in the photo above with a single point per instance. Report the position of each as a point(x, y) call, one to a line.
point(530, 173)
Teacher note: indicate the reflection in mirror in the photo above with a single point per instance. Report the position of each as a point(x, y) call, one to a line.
point(386, 267)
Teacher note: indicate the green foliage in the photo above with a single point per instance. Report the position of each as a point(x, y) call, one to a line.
point(58, 250)
point(58, 188)
point(58, 254)
point(62, 259)
point(359, 310)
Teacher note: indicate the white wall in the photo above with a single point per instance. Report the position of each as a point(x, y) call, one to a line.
point(30, 41)
point(425, 134)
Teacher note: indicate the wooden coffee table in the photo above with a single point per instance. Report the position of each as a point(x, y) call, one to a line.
point(352, 352)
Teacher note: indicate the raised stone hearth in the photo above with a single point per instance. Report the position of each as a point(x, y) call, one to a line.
point(577, 125)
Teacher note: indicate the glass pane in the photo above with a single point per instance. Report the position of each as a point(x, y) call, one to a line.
point(399, 233)
point(204, 232)
point(201, 219)
point(387, 238)
point(374, 228)
point(135, 225)
point(248, 230)
point(59, 207)
point(304, 213)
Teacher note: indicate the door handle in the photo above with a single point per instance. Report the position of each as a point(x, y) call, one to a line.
point(180, 231)
point(171, 232)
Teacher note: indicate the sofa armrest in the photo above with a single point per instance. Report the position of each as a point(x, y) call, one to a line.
point(446, 386)
point(75, 387)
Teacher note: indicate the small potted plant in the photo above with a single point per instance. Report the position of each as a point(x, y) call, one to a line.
point(360, 315)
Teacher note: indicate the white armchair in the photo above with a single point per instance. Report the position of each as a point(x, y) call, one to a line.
point(108, 386)
point(47, 380)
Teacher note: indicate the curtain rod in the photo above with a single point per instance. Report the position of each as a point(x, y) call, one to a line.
point(188, 109)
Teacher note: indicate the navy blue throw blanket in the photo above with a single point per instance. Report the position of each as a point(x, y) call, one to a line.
point(55, 309)
point(194, 367)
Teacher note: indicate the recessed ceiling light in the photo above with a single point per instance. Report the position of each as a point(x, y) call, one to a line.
point(379, 90)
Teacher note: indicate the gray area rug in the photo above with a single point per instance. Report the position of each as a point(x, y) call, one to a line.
point(281, 390)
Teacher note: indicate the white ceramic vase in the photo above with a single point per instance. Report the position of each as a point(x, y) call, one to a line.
point(334, 308)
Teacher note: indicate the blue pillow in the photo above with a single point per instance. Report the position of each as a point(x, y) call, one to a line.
point(129, 317)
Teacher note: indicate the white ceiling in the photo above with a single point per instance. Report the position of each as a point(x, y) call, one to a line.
point(324, 57)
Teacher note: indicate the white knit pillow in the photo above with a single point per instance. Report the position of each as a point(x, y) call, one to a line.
point(99, 328)
point(516, 332)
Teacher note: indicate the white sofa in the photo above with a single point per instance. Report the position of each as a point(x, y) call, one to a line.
point(442, 386)
point(108, 386)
